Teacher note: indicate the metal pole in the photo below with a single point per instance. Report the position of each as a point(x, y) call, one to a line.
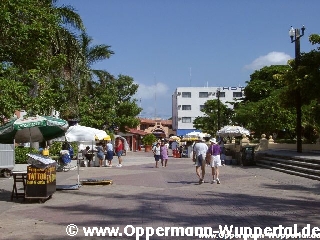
point(298, 93)
point(218, 109)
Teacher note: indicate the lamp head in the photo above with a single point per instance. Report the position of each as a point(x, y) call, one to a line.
point(292, 33)
point(302, 30)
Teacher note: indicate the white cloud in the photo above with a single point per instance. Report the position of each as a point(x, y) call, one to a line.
point(148, 92)
point(272, 58)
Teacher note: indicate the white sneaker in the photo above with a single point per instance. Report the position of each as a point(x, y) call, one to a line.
point(119, 165)
point(213, 181)
point(218, 181)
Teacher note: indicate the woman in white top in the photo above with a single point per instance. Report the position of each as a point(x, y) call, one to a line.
point(156, 153)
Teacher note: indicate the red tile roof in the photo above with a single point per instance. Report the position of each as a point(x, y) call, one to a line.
point(136, 131)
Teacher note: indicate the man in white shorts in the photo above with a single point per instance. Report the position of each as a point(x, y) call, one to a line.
point(199, 155)
point(215, 162)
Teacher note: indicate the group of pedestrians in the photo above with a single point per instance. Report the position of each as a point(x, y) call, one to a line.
point(160, 152)
point(106, 152)
point(202, 155)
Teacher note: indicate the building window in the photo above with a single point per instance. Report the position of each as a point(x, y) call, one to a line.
point(186, 119)
point(186, 107)
point(203, 94)
point(222, 94)
point(186, 94)
point(237, 94)
point(201, 107)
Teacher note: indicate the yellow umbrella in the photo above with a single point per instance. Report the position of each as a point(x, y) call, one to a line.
point(107, 138)
point(175, 138)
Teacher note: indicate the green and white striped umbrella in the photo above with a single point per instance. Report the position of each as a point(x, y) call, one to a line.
point(32, 129)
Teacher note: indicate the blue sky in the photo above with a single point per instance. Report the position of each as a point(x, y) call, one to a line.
point(165, 44)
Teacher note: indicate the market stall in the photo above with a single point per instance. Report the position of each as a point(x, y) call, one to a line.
point(41, 177)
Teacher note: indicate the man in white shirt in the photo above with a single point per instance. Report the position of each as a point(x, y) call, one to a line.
point(199, 155)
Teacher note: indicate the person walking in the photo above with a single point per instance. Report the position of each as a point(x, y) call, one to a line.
point(222, 151)
point(109, 155)
point(199, 153)
point(164, 153)
point(100, 153)
point(119, 150)
point(215, 161)
point(156, 153)
point(88, 155)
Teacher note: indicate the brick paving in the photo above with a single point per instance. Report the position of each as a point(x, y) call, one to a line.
point(142, 196)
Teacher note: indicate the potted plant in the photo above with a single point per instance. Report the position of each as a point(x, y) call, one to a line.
point(148, 140)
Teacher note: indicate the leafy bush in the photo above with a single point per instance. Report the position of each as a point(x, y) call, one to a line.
point(56, 147)
point(149, 139)
point(54, 150)
point(20, 152)
point(75, 148)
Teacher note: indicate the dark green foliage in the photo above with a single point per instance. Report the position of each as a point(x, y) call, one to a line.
point(56, 147)
point(46, 62)
point(149, 139)
point(20, 153)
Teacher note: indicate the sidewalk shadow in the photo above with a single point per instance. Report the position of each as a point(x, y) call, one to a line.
point(292, 187)
point(185, 182)
point(5, 195)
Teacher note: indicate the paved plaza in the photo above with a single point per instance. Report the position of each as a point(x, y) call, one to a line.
point(144, 196)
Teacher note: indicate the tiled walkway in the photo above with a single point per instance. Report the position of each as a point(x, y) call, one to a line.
point(142, 196)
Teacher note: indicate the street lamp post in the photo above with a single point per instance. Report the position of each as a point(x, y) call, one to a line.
point(295, 38)
point(218, 96)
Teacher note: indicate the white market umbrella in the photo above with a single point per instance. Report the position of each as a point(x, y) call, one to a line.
point(193, 134)
point(232, 131)
point(80, 133)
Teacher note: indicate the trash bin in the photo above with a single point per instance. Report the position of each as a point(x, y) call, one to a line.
point(41, 177)
point(247, 156)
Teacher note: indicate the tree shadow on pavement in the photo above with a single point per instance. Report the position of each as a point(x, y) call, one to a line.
point(174, 207)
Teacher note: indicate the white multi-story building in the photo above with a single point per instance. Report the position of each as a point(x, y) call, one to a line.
point(187, 103)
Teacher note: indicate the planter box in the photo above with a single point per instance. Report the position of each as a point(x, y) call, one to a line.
point(147, 148)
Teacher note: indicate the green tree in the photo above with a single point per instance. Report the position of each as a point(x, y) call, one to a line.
point(209, 122)
point(29, 46)
point(82, 75)
point(301, 89)
point(111, 104)
point(261, 110)
point(14, 94)
point(263, 82)
point(27, 27)
point(46, 61)
point(266, 116)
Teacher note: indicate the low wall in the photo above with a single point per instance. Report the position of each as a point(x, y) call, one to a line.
point(289, 146)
